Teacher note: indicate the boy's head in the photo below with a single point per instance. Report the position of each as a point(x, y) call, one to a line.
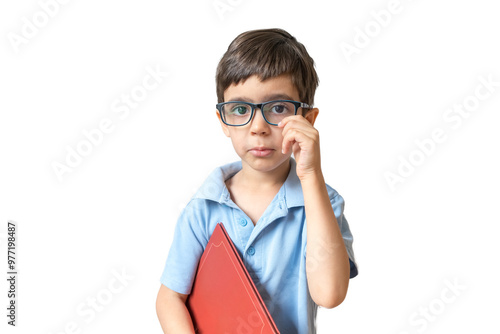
point(267, 53)
point(270, 66)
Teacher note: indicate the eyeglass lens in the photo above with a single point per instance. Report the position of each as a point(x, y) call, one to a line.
point(238, 113)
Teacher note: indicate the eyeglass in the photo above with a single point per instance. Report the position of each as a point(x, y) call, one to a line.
point(239, 113)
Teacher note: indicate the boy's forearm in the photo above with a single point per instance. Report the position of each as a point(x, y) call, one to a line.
point(173, 314)
point(327, 261)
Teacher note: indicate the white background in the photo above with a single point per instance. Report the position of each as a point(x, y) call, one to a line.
point(117, 209)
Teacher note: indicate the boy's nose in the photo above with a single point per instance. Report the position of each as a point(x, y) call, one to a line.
point(258, 123)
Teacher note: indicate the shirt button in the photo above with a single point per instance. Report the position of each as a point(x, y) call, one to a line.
point(251, 250)
point(243, 222)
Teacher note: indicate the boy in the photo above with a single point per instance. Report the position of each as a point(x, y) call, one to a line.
point(264, 199)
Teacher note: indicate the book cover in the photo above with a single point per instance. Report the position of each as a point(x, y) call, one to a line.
point(224, 298)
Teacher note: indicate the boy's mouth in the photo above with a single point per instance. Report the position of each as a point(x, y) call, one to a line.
point(261, 151)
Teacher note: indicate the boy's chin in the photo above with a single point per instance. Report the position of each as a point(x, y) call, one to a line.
point(266, 164)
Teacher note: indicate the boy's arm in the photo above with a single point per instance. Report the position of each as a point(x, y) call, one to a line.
point(172, 312)
point(327, 261)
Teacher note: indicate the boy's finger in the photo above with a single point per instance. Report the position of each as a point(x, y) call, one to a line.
point(307, 129)
point(299, 123)
point(293, 136)
point(288, 140)
point(290, 119)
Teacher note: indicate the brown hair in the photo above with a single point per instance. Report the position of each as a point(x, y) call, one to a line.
point(267, 53)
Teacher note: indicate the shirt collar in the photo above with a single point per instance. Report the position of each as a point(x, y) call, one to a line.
point(214, 187)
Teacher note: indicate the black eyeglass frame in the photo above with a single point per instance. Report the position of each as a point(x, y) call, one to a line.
point(259, 105)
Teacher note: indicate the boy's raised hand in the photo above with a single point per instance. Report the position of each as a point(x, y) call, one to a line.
point(303, 138)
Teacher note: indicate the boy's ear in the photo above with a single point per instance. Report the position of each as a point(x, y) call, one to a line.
point(311, 115)
point(224, 126)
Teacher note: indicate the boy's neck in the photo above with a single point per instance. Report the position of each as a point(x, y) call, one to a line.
point(252, 179)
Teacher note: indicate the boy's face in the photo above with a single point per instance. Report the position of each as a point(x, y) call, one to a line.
point(248, 140)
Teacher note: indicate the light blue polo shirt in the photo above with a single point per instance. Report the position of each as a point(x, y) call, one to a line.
point(273, 250)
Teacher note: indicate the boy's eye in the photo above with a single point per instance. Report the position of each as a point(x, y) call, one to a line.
point(280, 108)
point(239, 110)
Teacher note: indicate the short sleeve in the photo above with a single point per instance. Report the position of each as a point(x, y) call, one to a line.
point(337, 202)
point(188, 244)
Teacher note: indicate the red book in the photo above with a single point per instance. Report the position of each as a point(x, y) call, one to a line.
point(224, 298)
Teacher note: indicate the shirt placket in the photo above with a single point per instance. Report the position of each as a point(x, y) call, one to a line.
point(250, 255)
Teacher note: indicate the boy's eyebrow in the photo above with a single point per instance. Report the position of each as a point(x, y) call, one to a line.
point(266, 98)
